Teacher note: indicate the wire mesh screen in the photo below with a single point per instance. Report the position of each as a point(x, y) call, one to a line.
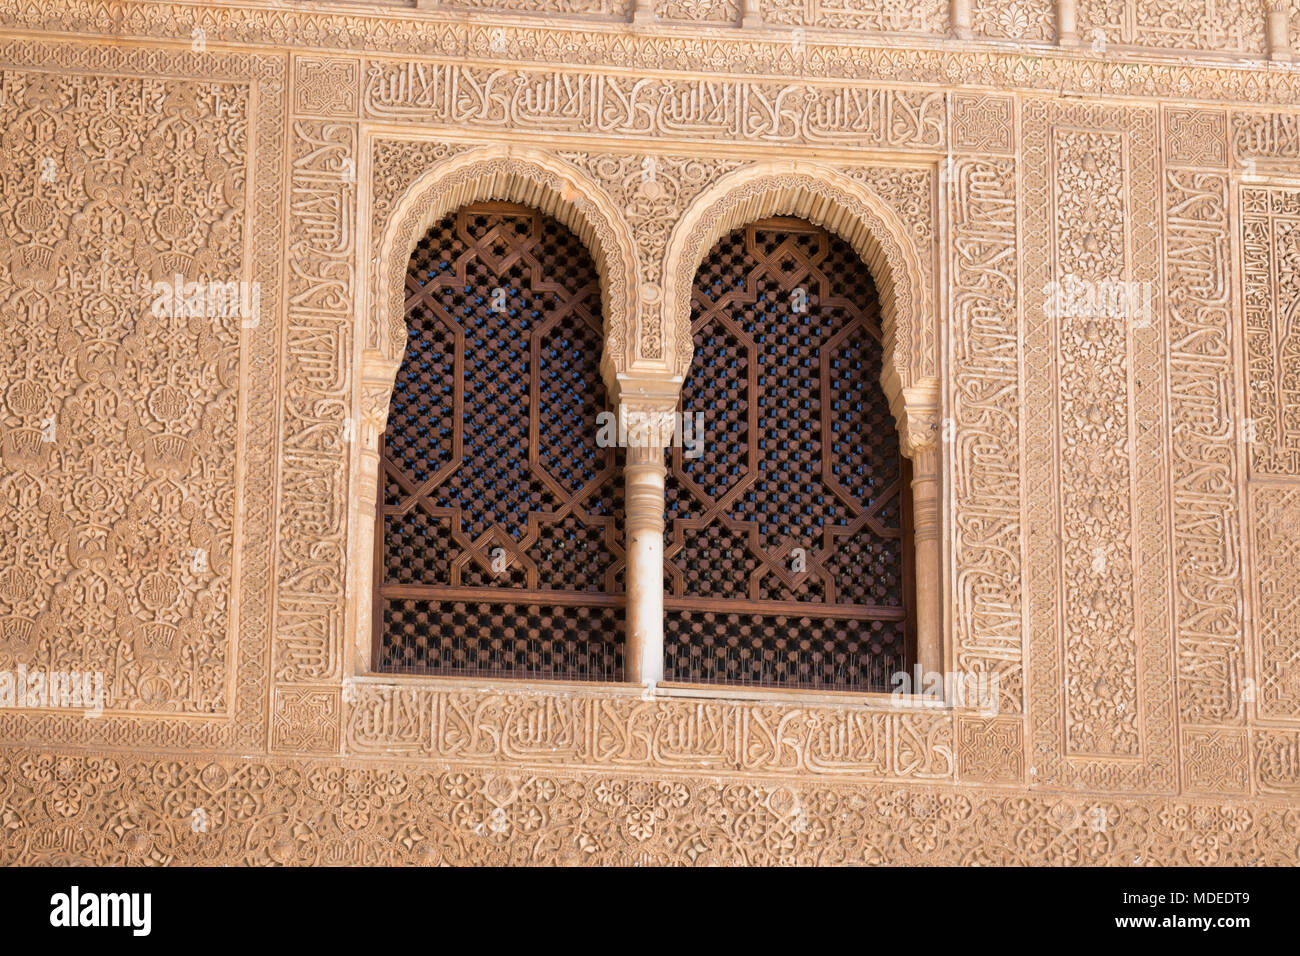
point(787, 547)
point(498, 548)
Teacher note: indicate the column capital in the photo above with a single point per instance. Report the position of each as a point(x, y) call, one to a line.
point(647, 409)
point(919, 424)
point(645, 391)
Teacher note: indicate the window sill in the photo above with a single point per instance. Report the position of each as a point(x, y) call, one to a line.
point(794, 697)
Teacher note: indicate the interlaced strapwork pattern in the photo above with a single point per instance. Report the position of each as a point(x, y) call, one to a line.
point(784, 552)
point(500, 514)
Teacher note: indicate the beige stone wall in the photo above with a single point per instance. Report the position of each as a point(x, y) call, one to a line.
point(183, 498)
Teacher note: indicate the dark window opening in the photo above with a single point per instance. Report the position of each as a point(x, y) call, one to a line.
point(498, 535)
point(788, 541)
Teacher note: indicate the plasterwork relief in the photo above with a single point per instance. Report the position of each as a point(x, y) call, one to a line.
point(983, 123)
point(1196, 137)
point(1277, 761)
point(94, 369)
point(582, 729)
point(1265, 143)
point(882, 16)
point(317, 395)
point(721, 110)
point(319, 427)
point(1270, 226)
point(609, 8)
point(252, 464)
point(1102, 693)
point(778, 52)
point(1027, 20)
point(982, 438)
point(1192, 25)
point(652, 192)
point(1276, 554)
point(125, 809)
point(1209, 601)
point(698, 11)
point(124, 510)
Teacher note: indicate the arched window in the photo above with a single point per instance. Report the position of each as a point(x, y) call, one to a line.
point(498, 549)
point(787, 548)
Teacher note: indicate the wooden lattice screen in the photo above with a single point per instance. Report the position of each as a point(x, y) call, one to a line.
point(498, 540)
point(800, 452)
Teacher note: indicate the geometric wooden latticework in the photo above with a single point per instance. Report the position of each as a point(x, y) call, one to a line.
point(498, 550)
point(787, 548)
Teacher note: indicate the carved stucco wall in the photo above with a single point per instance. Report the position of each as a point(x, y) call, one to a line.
point(1149, 694)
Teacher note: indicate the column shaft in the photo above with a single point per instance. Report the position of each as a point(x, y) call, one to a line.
point(643, 475)
point(925, 534)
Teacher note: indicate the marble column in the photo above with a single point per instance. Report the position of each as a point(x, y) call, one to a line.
point(919, 430)
point(643, 474)
point(926, 540)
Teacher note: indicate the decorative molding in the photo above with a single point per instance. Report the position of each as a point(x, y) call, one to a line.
point(981, 442)
point(82, 809)
point(1153, 62)
point(1275, 511)
point(1205, 479)
point(1270, 243)
point(668, 735)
